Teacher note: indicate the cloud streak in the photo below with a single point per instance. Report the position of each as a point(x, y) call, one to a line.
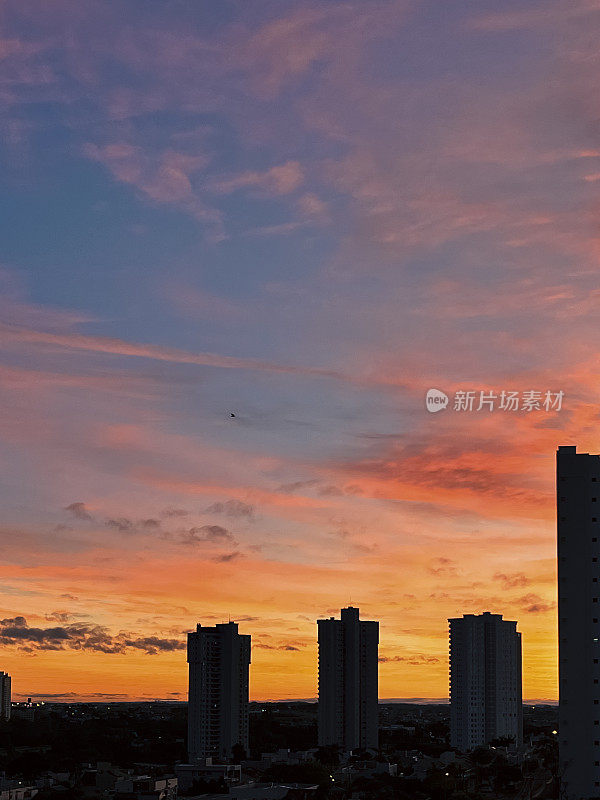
point(15, 632)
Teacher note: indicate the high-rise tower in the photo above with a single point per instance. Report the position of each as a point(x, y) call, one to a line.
point(348, 681)
point(5, 696)
point(578, 534)
point(485, 680)
point(219, 660)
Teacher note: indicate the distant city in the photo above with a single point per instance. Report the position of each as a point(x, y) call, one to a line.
point(486, 712)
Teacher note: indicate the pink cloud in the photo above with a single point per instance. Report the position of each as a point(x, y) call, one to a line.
point(281, 51)
point(544, 15)
point(163, 177)
point(278, 180)
point(101, 344)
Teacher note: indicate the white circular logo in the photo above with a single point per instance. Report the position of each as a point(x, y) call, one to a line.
point(435, 400)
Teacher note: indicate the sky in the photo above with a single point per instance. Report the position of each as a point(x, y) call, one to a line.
point(304, 214)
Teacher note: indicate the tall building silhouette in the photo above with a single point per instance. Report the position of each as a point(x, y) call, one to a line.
point(578, 534)
point(5, 695)
point(219, 660)
point(348, 681)
point(485, 680)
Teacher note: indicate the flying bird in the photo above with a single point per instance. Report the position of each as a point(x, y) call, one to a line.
point(232, 414)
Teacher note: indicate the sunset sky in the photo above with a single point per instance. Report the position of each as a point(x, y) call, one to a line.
point(305, 214)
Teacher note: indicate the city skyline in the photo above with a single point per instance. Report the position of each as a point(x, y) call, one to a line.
point(241, 243)
point(328, 639)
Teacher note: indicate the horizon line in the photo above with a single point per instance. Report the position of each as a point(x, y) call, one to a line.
point(65, 700)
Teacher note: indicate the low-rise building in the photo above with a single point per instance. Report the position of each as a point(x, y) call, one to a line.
point(365, 769)
point(205, 770)
point(16, 790)
point(143, 787)
point(273, 791)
